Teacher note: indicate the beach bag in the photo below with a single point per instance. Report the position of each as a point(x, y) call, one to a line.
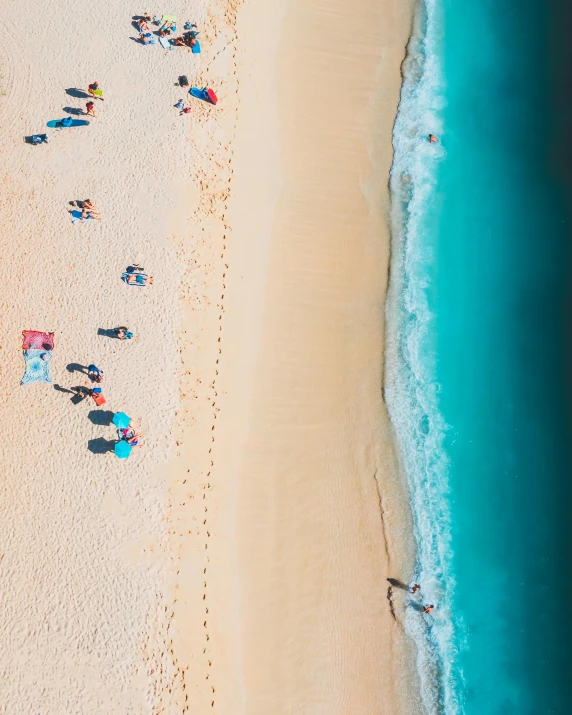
point(98, 397)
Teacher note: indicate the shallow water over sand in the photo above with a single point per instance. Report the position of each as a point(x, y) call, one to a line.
point(477, 361)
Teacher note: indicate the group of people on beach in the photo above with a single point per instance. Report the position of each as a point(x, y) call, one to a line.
point(92, 387)
point(95, 91)
point(134, 275)
point(426, 609)
point(187, 39)
point(414, 603)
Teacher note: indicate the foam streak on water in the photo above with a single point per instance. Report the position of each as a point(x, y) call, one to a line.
point(411, 388)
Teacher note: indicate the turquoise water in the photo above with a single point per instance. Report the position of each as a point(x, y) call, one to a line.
point(478, 368)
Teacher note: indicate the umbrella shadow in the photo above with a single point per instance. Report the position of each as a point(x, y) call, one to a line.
point(78, 93)
point(100, 417)
point(100, 445)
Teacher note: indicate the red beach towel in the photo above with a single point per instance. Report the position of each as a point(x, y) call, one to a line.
point(35, 340)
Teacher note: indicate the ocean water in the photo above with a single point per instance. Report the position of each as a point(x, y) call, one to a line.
point(478, 352)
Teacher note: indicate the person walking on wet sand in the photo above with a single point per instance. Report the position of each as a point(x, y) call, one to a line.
point(428, 609)
point(90, 107)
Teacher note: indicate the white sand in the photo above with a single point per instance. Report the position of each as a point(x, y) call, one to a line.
point(248, 574)
point(82, 535)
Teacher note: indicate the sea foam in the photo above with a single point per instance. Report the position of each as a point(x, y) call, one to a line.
point(412, 392)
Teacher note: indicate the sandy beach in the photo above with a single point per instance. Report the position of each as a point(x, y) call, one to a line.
point(237, 562)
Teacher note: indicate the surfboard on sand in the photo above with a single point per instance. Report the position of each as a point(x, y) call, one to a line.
point(207, 95)
point(57, 123)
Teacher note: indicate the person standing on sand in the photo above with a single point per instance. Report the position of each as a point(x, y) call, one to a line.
point(95, 374)
point(428, 609)
point(90, 106)
point(95, 90)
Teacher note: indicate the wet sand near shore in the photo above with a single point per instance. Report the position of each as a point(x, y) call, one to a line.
point(300, 511)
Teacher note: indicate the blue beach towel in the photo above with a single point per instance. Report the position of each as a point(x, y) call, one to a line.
point(37, 369)
point(76, 216)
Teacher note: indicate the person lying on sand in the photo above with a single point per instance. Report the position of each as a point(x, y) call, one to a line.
point(88, 210)
point(122, 333)
point(85, 214)
point(134, 279)
point(142, 25)
point(128, 435)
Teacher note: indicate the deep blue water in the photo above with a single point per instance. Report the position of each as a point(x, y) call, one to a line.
point(479, 358)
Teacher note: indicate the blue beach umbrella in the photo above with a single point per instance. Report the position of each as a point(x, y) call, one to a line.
point(122, 449)
point(121, 420)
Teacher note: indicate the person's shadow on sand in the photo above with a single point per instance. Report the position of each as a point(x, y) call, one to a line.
point(76, 367)
point(59, 388)
point(78, 93)
point(107, 333)
point(398, 584)
point(100, 417)
point(100, 445)
point(419, 607)
point(73, 110)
